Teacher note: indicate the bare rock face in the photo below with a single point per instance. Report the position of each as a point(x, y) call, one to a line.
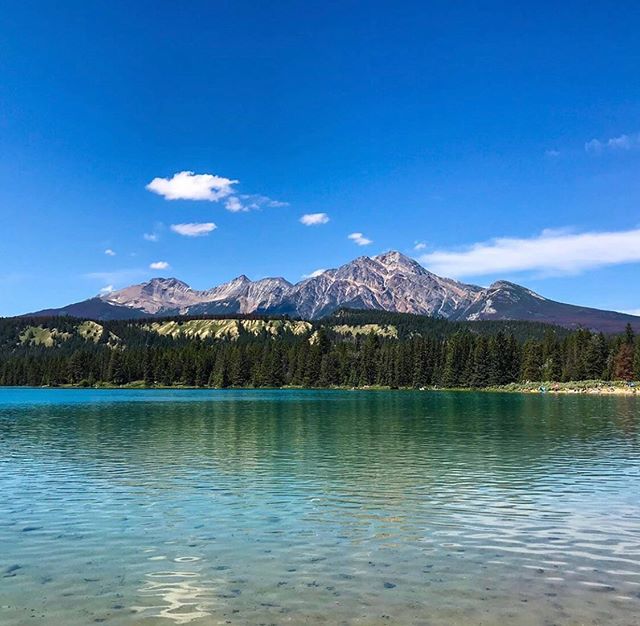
point(157, 295)
point(169, 295)
point(389, 281)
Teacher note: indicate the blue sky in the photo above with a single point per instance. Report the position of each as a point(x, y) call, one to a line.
point(466, 128)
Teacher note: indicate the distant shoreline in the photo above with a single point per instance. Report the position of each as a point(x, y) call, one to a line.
point(585, 387)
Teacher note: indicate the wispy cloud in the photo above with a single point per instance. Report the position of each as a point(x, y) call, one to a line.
point(105, 290)
point(234, 204)
point(552, 154)
point(632, 312)
point(314, 274)
point(109, 252)
point(193, 229)
point(359, 239)
point(257, 202)
point(159, 265)
point(314, 219)
point(614, 144)
point(251, 202)
point(188, 185)
point(151, 237)
point(191, 186)
point(419, 245)
point(555, 252)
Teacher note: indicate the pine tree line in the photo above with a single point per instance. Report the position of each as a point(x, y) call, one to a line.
point(324, 359)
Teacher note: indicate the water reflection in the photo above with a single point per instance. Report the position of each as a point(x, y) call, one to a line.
point(180, 593)
point(343, 507)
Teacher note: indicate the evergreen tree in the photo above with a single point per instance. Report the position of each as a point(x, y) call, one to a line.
point(115, 371)
point(148, 369)
point(480, 370)
point(629, 335)
point(424, 352)
point(531, 361)
point(595, 357)
point(219, 376)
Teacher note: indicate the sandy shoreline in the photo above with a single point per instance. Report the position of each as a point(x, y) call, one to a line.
point(586, 387)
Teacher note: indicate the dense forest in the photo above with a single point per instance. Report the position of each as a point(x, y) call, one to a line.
point(351, 348)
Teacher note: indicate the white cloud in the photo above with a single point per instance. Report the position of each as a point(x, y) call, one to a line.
point(256, 201)
point(251, 202)
point(552, 154)
point(105, 290)
point(359, 239)
point(159, 265)
point(109, 252)
point(632, 312)
point(314, 219)
point(314, 274)
point(419, 245)
point(557, 252)
point(193, 229)
point(234, 205)
point(151, 236)
point(191, 186)
point(621, 143)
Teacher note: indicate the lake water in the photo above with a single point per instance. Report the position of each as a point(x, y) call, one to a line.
point(318, 507)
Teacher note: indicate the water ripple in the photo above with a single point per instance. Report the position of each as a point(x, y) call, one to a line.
point(207, 507)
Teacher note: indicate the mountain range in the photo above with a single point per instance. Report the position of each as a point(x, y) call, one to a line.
point(389, 281)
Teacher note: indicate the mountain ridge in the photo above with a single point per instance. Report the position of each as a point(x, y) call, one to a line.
point(390, 281)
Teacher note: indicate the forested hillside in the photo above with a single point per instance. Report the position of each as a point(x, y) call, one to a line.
point(349, 348)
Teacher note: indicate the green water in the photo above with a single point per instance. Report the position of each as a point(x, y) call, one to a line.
point(304, 507)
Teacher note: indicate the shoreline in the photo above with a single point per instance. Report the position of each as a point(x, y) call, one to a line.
point(585, 387)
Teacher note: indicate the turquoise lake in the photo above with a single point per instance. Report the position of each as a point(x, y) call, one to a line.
point(318, 507)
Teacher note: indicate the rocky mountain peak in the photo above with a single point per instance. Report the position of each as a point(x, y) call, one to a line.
point(394, 260)
point(166, 283)
point(513, 288)
point(504, 284)
point(390, 281)
point(154, 296)
point(273, 280)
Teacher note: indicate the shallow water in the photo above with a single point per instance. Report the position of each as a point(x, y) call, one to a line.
point(327, 507)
